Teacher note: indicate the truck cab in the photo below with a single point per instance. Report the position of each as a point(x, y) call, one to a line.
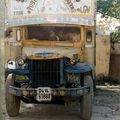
point(48, 62)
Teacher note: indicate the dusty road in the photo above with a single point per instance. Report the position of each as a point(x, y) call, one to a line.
point(106, 107)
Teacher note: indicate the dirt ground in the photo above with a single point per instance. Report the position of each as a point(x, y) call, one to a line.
point(106, 106)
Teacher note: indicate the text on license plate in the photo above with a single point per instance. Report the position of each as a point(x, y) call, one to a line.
point(43, 94)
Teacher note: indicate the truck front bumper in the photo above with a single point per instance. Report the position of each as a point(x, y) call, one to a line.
point(32, 92)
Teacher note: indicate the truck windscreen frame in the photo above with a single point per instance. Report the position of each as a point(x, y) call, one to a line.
point(54, 33)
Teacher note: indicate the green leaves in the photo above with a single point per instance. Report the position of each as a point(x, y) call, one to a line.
point(115, 36)
point(109, 8)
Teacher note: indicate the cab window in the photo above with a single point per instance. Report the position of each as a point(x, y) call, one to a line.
point(53, 33)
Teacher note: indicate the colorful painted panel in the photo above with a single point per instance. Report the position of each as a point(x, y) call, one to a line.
point(51, 11)
point(50, 7)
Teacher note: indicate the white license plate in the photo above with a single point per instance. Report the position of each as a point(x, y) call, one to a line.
point(43, 94)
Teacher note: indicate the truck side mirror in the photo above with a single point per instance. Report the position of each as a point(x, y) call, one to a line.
point(88, 36)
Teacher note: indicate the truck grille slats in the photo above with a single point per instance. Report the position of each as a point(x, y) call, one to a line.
point(45, 72)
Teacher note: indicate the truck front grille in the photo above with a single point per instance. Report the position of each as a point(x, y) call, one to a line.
point(46, 72)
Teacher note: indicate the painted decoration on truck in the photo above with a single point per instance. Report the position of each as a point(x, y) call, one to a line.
point(50, 7)
point(23, 12)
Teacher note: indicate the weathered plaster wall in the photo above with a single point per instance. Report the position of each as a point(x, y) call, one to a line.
point(2, 59)
point(102, 55)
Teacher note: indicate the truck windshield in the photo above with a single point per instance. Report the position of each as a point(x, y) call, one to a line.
point(53, 33)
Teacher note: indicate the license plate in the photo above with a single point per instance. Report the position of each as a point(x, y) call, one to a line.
point(43, 94)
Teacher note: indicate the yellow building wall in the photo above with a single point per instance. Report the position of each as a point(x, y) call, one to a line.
point(102, 55)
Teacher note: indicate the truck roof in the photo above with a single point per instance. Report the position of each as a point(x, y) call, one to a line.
point(26, 12)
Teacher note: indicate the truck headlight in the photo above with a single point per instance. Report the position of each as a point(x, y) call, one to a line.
point(74, 59)
point(20, 61)
point(10, 65)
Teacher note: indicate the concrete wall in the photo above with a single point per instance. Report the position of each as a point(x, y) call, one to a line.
point(115, 61)
point(102, 55)
point(2, 59)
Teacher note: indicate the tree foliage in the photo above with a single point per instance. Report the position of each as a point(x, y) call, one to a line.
point(115, 36)
point(109, 8)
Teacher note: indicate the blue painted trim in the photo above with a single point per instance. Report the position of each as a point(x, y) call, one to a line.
point(79, 68)
point(69, 92)
point(20, 72)
point(44, 54)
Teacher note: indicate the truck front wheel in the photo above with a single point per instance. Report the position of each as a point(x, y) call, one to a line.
point(86, 100)
point(12, 101)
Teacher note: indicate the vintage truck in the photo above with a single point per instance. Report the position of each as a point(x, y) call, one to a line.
point(50, 51)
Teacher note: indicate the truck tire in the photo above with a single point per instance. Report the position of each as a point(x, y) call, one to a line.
point(12, 101)
point(86, 100)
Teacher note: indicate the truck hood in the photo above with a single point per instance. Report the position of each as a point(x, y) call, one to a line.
point(64, 51)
